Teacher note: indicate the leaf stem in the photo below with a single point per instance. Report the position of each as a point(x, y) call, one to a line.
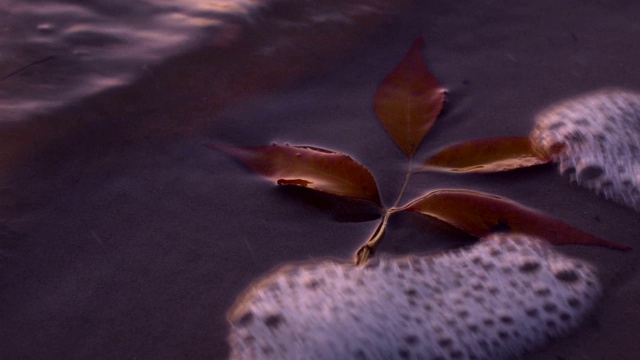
point(404, 186)
point(367, 250)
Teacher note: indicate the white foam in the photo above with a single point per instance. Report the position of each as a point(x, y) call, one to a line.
point(600, 136)
point(501, 298)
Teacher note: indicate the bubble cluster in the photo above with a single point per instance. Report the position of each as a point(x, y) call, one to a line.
point(599, 138)
point(501, 298)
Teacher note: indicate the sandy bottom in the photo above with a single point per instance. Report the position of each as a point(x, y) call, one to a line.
point(122, 237)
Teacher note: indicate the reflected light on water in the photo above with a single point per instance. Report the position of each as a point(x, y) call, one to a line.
point(94, 45)
point(118, 40)
point(222, 6)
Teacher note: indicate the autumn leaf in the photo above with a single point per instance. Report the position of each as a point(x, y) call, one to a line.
point(318, 169)
point(479, 214)
point(486, 155)
point(409, 100)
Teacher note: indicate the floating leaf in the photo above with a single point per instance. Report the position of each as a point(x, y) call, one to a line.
point(479, 214)
point(409, 100)
point(323, 170)
point(486, 155)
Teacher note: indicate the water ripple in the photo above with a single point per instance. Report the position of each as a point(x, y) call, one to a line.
point(55, 52)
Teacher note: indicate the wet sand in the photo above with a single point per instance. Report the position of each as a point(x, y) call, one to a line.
point(123, 237)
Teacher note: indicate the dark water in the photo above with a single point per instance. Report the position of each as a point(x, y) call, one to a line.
point(122, 237)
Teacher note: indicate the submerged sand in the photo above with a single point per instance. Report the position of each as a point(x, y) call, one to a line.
point(122, 237)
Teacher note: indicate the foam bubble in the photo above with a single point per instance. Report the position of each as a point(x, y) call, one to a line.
point(600, 136)
point(505, 296)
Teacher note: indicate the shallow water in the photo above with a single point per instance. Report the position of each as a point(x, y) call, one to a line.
point(123, 237)
point(57, 52)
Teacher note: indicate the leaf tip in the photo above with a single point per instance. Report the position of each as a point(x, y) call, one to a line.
point(227, 149)
point(419, 42)
point(616, 246)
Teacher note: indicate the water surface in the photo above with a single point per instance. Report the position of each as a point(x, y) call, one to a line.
point(121, 236)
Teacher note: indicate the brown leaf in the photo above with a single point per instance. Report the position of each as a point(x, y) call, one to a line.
point(479, 214)
point(409, 100)
point(319, 169)
point(486, 155)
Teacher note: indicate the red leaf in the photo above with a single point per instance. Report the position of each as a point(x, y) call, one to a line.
point(409, 100)
point(486, 155)
point(318, 169)
point(479, 214)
